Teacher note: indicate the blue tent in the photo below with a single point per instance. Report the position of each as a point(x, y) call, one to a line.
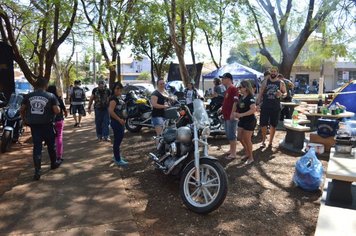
point(238, 72)
point(347, 96)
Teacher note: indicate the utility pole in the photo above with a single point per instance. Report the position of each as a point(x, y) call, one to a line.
point(94, 59)
point(76, 65)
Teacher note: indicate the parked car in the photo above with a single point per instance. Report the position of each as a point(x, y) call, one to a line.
point(22, 86)
point(178, 86)
point(88, 88)
point(146, 88)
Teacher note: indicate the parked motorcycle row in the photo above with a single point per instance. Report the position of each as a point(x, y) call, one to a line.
point(182, 149)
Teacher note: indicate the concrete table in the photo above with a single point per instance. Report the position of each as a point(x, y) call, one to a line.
point(342, 171)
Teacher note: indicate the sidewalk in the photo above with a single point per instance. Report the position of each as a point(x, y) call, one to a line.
point(85, 196)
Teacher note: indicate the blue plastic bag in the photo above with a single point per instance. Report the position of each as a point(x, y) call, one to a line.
point(308, 173)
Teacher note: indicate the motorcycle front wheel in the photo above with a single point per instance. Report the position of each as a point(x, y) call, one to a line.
point(210, 193)
point(5, 141)
point(131, 127)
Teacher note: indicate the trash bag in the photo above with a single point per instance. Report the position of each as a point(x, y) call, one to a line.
point(308, 173)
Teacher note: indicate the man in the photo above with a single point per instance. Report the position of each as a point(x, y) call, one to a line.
point(272, 90)
point(38, 110)
point(231, 93)
point(77, 100)
point(100, 96)
point(286, 111)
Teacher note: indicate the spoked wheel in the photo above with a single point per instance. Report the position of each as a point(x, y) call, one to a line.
point(210, 193)
point(5, 141)
point(131, 127)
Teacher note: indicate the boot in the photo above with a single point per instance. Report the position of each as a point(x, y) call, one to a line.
point(37, 164)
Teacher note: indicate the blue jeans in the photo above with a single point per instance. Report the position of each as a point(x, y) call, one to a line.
point(40, 133)
point(102, 122)
point(118, 130)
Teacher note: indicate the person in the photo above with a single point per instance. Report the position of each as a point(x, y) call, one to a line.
point(159, 102)
point(218, 94)
point(286, 111)
point(38, 110)
point(117, 117)
point(230, 123)
point(77, 100)
point(245, 113)
point(272, 90)
point(100, 95)
point(219, 89)
point(190, 93)
point(59, 123)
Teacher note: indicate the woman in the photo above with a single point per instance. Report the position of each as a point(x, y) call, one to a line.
point(158, 102)
point(117, 114)
point(246, 108)
point(190, 94)
point(59, 123)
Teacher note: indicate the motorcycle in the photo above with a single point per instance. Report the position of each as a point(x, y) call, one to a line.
point(217, 122)
point(13, 125)
point(203, 181)
point(139, 112)
point(2, 105)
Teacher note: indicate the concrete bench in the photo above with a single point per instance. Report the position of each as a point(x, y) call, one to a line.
point(295, 136)
point(334, 220)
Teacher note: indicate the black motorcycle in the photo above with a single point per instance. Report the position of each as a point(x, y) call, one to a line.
point(139, 112)
point(12, 122)
point(3, 103)
point(216, 119)
point(203, 181)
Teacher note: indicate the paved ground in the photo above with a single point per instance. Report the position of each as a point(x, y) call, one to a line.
point(85, 196)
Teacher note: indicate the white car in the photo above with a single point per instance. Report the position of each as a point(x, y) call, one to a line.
point(88, 88)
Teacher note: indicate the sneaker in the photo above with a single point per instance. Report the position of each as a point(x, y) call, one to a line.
point(107, 139)
point(55, 165)
point(99, 139)
point(79, 125)
point(122, 162)
point(76, 125)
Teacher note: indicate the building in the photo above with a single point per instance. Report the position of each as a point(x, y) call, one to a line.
point(132, 68)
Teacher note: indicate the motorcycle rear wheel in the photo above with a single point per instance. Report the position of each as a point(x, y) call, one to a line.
point(211, 193)
point(132, 128)
point(5, 141)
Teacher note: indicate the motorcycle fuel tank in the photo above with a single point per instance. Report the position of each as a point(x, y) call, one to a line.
point(169, 135)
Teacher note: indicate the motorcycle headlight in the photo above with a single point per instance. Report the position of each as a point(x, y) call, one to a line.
point(205, 132)
point(11, 113)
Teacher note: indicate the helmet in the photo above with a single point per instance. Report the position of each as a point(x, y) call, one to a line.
point(184, 134)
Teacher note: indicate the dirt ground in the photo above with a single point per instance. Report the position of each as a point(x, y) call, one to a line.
point(261, 199)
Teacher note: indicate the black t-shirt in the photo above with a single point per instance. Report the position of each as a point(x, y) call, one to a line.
point(243, 105)
point(120, 107)
point(161, 99)
point(270, 101)
point(39, 107)
point(101, 97)
point(77, 96)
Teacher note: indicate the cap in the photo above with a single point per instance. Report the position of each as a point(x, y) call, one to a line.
point(226, 75)
point(77, 82)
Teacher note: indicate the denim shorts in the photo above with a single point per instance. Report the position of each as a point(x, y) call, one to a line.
point(230, 129)
point(157, 121)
